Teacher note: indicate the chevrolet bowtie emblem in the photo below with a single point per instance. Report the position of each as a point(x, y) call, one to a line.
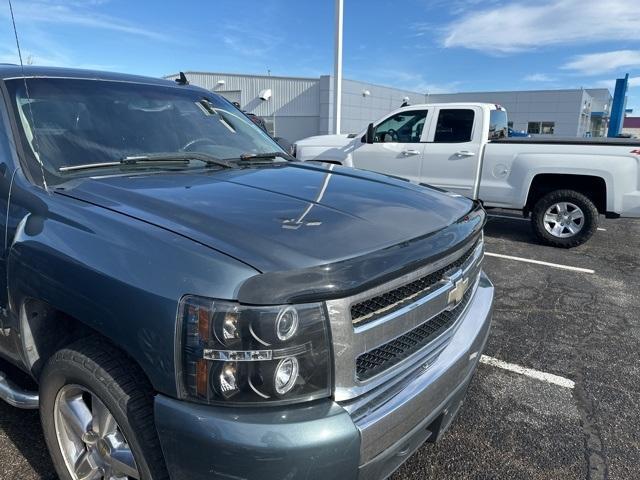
point(457, 294)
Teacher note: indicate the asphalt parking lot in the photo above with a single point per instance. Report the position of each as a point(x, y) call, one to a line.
point(573, 415)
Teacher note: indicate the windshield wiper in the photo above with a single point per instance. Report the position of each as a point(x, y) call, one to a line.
point(266, 156)
point(173, 157)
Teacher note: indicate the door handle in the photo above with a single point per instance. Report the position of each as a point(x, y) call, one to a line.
point(465, 153)
point(408, 153)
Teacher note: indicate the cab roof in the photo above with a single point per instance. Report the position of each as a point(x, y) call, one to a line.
point(492, 106)
point(10, 71)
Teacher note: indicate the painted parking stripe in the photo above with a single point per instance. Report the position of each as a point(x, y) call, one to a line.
point(602, 229)
point(528, 372)
point(539, 262)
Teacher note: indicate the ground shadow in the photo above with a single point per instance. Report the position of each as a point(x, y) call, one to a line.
point(22, 428)
point(513, 229)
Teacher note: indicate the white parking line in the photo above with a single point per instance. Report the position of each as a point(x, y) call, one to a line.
point(602, 229)
point(509, 217)
point(539, 262)
point(528, 372)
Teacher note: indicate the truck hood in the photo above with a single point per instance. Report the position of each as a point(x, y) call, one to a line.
point(280, 217)
point(325, 141)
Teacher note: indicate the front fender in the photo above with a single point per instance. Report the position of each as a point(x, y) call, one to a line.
point(119, 276)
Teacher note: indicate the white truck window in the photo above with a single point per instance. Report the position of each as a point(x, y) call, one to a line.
point(405, 127)
point(454, 126)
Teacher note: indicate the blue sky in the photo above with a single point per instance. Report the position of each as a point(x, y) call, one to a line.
point(422, 45)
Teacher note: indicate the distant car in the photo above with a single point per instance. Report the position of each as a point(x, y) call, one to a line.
point(286, 145)
point(257, 120)
point(517, 133)
point(252, 116)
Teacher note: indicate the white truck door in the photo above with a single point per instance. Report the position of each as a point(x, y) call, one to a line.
point(396, 148)
point(453, 149)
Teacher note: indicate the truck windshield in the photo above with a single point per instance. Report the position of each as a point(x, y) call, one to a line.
point(65, 122)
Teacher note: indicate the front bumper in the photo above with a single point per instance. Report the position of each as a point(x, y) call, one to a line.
point(323, 440)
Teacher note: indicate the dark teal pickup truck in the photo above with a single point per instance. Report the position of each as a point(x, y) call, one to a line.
point(192, 303)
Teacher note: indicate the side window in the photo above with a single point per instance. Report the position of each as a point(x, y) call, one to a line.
point(405, 127)
point(454, 126)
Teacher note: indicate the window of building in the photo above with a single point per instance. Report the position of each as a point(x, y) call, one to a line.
point(541, 128)
point(454, 126)
point(405, 127)
point(547, 128)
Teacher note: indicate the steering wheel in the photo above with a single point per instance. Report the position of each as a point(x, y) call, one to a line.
point(187, 146)
point(393, 134)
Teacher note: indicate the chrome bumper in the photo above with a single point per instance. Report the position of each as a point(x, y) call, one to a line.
point(391, 430)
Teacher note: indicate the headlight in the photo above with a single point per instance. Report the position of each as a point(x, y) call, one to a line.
point(234, 353)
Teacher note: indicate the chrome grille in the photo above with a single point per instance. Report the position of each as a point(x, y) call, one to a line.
point(371, 363)
point(373, 308)
point(368, 354)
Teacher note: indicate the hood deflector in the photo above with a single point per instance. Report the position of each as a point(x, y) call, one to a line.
point(349, 277)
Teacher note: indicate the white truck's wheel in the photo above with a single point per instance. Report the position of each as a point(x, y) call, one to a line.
point(564, 218)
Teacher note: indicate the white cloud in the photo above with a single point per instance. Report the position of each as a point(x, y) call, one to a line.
point(457, 6)
point(610, 84)
point(522, 26)
point(74, 13)
point(50, 58)
point(248, 41)
point(538, 77)
point(597, 63)
point(407, 80)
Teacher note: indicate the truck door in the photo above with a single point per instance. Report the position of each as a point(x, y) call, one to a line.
point(396, 148)
point(453, 149)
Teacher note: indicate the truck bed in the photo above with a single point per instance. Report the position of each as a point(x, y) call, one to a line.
point(630, 142)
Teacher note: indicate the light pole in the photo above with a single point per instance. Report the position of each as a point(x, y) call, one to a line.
point(337, 69)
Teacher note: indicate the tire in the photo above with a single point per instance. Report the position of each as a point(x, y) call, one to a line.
point(558, 234)
point(100, 376)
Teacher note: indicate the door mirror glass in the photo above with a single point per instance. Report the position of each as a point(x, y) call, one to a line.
point(498, 125)
point(368, 137)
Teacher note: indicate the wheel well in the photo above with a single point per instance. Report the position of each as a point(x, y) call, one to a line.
point(592, 187)
point(45, 330)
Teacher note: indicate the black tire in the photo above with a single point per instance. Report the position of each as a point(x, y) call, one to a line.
point(122, 387)
point(582, 201)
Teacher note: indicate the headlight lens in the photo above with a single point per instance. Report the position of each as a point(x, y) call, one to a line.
point(247, 354)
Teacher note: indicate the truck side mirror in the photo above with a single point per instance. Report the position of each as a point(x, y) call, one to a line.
point(370, 135)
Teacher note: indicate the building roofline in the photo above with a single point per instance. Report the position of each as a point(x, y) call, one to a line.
point(252, 75)
point(556, 90)
point(281, 77)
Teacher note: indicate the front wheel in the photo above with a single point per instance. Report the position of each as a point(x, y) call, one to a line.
point(96, 409)
point(564, 218)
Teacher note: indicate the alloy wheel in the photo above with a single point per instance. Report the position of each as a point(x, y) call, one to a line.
point(563, 219)
point(92, 444)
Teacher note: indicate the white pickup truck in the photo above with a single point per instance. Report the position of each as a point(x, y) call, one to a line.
point(563, 184)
